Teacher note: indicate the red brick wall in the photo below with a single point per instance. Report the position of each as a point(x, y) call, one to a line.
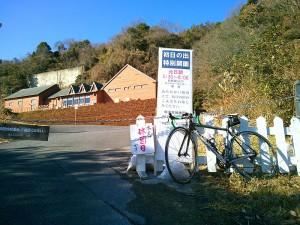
point(25, 106)
point(96, 97)
point(130, 84)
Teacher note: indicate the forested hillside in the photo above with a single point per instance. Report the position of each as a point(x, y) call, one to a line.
point(251, 57)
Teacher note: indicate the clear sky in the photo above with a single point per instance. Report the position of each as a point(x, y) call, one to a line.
point(26, 23)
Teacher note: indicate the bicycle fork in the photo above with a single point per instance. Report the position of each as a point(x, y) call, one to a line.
point(186, 137)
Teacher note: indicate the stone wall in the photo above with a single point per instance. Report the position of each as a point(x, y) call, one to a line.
point(64, 78)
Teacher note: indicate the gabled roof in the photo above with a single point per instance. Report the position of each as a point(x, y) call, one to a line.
point(63, 92)
point(73, 89)
point(84, 88)
point(29, 92)
point(127, 65)
point(96, 86)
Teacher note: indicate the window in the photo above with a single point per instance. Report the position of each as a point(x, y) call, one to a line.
point(87, 99)
point(76, 101)
point(81, 100)
point(137, 86)
point(19, 103)
point(64, 103)
point(70, 101)
point(33, 103)
point(118, 89)
point(127, 88)
point(11, 104)
point(144, 85)
point(111, 90)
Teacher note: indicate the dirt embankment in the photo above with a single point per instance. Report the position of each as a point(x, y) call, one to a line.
point(120, 114)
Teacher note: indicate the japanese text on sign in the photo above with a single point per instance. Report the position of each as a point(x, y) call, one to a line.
point(17, 129)
point(24, 132)
point(144, 132)
point(142, 141)
point(175, 59)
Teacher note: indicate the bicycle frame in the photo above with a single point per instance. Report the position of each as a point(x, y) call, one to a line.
point(213, 148)
point(193, 129)
point(206, 141)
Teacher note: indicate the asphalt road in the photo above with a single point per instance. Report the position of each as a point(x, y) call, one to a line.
point(74, 178)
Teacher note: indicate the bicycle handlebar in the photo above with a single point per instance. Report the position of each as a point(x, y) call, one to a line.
point(197, 116)
point(185, 116)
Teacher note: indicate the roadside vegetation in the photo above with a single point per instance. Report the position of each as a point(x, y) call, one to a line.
point(273, 201)
point(220, 199)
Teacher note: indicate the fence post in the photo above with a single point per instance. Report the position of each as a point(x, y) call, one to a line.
point(245, 126)
point(265, 156)
point(210, 156)
point(295, 130)
point(283, 160)
point(244, 123)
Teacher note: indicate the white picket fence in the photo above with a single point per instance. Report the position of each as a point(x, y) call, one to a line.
point(288, 154)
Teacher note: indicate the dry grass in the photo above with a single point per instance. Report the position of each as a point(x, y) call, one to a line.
point(274, 201)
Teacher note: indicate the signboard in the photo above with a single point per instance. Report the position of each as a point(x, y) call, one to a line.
point(24, 132)
point(175, 90)
point(142, 140)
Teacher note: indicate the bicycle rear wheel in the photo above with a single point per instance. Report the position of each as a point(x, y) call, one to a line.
point(180, 155)
point(253, 156)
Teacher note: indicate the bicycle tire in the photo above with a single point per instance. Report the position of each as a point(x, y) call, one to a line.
point(181, 167)
point(262, 165)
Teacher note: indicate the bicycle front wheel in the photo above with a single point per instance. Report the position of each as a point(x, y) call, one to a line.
point(181, 155)
point(253, 156)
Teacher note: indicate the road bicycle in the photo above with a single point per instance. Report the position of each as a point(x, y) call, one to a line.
point(246, 152)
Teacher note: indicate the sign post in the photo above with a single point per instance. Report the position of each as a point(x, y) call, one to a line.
point(174, 94)
point(75, 108)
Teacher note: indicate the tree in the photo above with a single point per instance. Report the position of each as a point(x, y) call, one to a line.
point(43, 49)
point(43, 59)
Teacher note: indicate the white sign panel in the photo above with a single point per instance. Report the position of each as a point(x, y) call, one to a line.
point(175, 88)
point(142, 140)
point(162, 130)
